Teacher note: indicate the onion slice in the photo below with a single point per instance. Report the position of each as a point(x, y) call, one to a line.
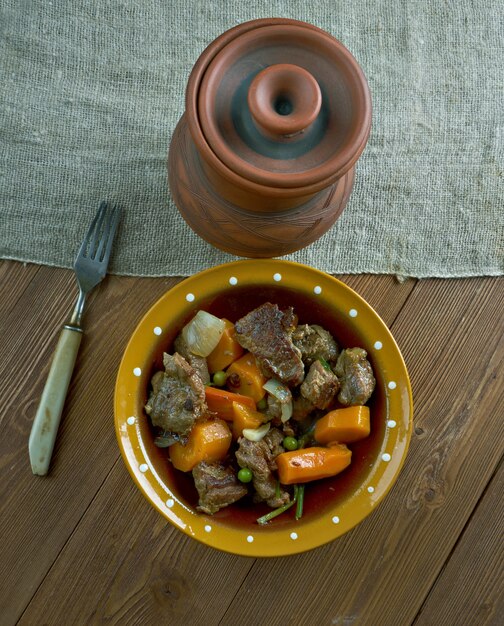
point(282, 394)
point(203, 333)
point(256, 434)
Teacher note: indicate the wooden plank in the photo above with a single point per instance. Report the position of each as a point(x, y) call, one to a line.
point(37, 515)
point(124, 564)
point(470, 588)
point(385, 294)
point(451, 334)
point(34, 320)
point(14, 279)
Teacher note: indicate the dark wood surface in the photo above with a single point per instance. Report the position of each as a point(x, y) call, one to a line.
point(82, 546)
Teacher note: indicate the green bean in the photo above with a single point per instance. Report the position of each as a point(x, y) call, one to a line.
point(300, 501)
point(275, 513)
point(325, 364)
point(305, 439)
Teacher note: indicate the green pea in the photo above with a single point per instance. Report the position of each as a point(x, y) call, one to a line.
point(290, 443)
point(262, 404)
point(245, 475)
point(219, 378)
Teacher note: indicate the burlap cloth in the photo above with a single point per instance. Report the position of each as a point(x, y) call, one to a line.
point(91, 91)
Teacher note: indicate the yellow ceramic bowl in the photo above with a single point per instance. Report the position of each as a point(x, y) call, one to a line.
point(332, 506)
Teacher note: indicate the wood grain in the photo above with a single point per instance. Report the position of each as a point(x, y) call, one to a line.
point(381, 572)
point(139, 569)
point(82, 546)
point(85, 450)
point(14, 279)
point(50, 508)
point(385, 294)
point(469, 589)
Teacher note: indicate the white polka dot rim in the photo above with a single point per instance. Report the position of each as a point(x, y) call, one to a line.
point(282, 536)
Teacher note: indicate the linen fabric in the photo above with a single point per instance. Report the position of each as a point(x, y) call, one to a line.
point(90, 94)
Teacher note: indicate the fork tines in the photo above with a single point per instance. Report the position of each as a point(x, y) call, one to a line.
point(97, 243)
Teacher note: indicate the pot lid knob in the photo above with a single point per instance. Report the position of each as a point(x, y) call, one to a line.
point(284, 100)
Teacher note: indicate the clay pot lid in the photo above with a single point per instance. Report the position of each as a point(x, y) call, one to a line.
point(280, 104)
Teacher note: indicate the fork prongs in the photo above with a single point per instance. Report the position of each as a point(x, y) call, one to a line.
point(96, 229)
point(97, 243)
point(107, 239)
point(88, 245)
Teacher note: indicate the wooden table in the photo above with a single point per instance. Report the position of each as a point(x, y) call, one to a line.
point(82, 546)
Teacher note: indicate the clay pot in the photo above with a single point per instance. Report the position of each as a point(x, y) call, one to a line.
point(262, 162)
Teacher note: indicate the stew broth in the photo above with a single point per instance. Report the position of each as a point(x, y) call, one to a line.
point(319, 495)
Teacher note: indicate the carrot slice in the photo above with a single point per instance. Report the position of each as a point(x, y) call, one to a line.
point(343, 425)
point(245, 417)
point(220, 401)
point(251, 377)
point(302, 466)
point(208, 441)
point(226, 351)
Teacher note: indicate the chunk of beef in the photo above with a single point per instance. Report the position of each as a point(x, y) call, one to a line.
point(315, 342)
point(286, 427)
point(259, 456)
point(165, 439)
point(356, 377)
point(274, 409)
point(301, 408)
point(273, 439)
point(178, 396)
point(217, 486)
point(198, 362)
point(320, 386)
point(266, 332)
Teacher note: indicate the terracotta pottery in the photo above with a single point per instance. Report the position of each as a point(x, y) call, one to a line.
point(262, 162)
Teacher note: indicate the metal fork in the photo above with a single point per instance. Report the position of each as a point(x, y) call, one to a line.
point(90, 268)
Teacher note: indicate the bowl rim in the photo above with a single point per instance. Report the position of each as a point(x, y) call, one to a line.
point(265, 541)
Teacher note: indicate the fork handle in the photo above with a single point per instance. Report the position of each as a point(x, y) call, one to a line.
point(47, 419)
